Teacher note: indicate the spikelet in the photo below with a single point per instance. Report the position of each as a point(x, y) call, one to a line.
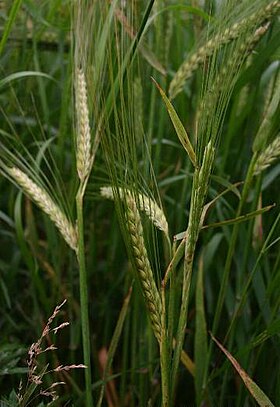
point(146, 204)
point(231, 33)
point(83, 144)
point(44, 201)
point(268, 156)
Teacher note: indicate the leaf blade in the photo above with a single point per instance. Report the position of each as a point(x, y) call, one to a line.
point(178, 126)
point(260, 397)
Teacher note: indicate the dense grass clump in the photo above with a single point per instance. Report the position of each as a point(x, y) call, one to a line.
point(139, 176)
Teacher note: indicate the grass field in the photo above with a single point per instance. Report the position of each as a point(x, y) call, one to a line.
point(139, 239)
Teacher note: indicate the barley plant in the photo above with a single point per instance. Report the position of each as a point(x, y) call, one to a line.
point(139, 171)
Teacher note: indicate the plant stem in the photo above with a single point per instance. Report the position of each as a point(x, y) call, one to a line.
point(164, 355)
point(199, 191)
point(84, 294)
point(183, 314)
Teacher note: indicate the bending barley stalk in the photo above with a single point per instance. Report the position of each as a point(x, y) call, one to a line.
point(84, 160)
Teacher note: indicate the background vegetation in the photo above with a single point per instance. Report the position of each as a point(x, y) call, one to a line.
point(227, 94)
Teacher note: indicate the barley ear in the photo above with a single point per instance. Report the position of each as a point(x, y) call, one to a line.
point(83, 143)
point(231, 66)
point(268, 156)
point(146, 204)
point(190, 65)
point(44, 201)
point(149, 288)
point(142, 263)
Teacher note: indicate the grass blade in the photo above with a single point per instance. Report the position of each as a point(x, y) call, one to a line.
point(239, 219)
point(24, 74)
point(260, 397)
point(9, 23)
point(178, 126)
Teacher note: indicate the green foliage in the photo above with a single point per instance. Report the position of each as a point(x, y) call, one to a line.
point(82, 118)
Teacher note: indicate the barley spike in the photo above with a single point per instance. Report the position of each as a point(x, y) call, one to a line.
point(44, 201)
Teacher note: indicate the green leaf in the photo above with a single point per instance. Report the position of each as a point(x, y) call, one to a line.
point(23, 74)
point(260, 397)
point(9, 23)
point(180, 7)
point(239, 219)
point(178, 126)
point(225, 183)
point(152, 59)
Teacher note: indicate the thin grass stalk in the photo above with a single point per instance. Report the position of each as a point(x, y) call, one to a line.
point(114, 344)
point(164, 355)
point(188, 264)
point(249, 280)
point(84, 293)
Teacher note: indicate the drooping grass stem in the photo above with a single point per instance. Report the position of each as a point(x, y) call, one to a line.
point(83, 293)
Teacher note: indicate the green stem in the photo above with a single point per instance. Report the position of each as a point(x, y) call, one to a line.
point(113, 345)
point(84, 294)
point(183, 315)
point(164, 355)
point(188, 265)
point(199, 191)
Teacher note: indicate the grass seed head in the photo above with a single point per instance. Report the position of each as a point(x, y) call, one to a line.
point(190, 65)
point(268, 156)
point(142, 262)
point(146, 204)
point(83, 145)
point(44, 201)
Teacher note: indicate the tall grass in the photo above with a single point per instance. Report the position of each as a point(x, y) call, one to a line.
point(143, 139)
